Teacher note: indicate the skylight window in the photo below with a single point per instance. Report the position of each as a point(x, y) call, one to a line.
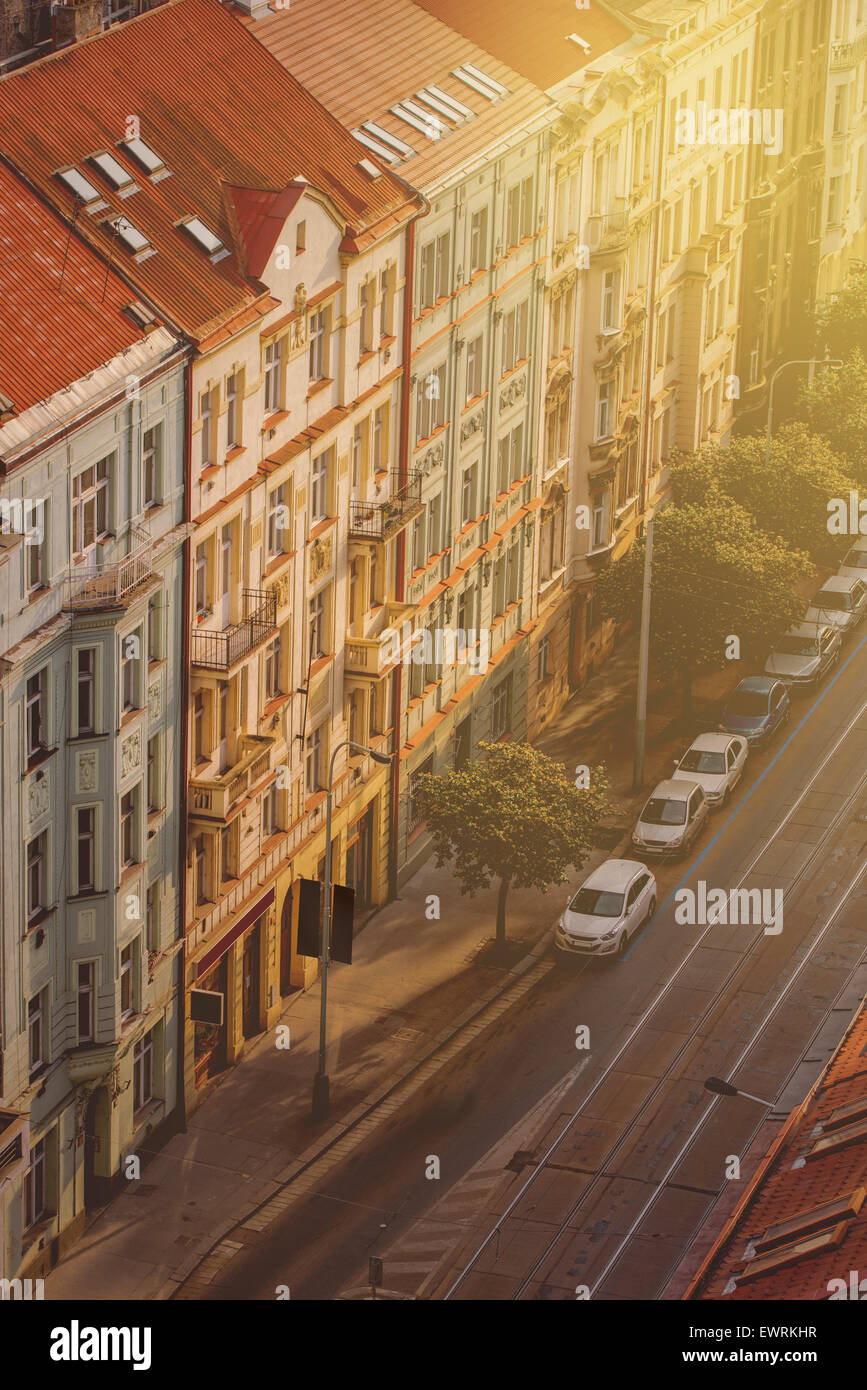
point(110, 168)
point(479, 81)
point(144, 155)
point(446, 105)
point(131, 237)
point(369, 143)
point(393, 141)
point(431, 126)
point(370, 168)
point(79, 185)
point(203, 235)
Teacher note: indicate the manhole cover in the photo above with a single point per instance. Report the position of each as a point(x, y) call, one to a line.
point(406, 1034)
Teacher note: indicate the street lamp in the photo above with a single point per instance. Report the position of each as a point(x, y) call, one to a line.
point(795, 362)
point(644, 652)
point(725, 1088)
point(321, 1096)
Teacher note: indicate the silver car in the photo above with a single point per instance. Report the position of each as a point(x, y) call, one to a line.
point(611, 905)
point(673, 817)
point(841, 602)
point(805, 654)
point(716, 762)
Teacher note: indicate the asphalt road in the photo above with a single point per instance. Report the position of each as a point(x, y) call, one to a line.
point(702, 1025)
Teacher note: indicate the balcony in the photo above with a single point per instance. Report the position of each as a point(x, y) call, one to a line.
point(379, 521)
point(108, 586)
point(373, 656)
point(607, 231)
point(213, 798)
point(219, 651)
point(14, 1143)
point(848, 55)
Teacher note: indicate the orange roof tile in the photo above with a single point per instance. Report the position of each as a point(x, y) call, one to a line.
point(219, 111)
point(52, 332)
point(792, 1182)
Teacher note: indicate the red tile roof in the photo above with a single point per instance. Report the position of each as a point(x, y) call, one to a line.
point(533, 38)
point(222, 114)
point(52, 333)
point(791, 1183)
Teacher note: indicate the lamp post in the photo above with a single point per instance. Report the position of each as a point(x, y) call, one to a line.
point(725, 1088)
point(321, 1091)
point(795, 362)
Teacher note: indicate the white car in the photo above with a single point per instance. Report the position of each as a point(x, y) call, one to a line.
point(854, 562)
point(672, 818)
point(716, 762)
point(610, 906)
point(842, 602)
point(804, 654)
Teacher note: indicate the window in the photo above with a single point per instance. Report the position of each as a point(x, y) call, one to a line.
point(85, 822)
point(430, 403)
point(34, 551)
point(515, 336)
point(278, 516)
point(35, 856)
point(154, 789)
point(381, 439)
point(270, 811)
point(434, 524)
point(551, 542)
point(320, 335)
point(201, 580)
point(143, 1071)
point(200, 867)
point(36, 1022)
point(152, 463)
point(35, 713)
point(131, 237)
point(313, 757)
point(557, 431)
point(144, 155)
point(360, 437)
point(227, 853)
point(316, 624)
point(272, 669)
point(208, 405)
point(274, 376)
point(434, 271)
point(501, 709)
point(604, 413)
point(85, 1001)
point(510, 458)
point(601, 509)
point(319, 486)
point(468, 495)
point(566, 206)
point(835, 200)
point(226, 562)
point(127, 980)
point(300, 237)
point(519, 212)
point(562, 323)
point(478, 240)
point(544, 667)
point(365, 331)
point(610, 300)
point(195, 227)
point(130, 675)
point(128, 836)
point(200, 750)
point(85, 690)
point(474, 368)
point(387, 278)
point(34, 1185)
point(234, 410)
point(90, 506)
point(418, 551)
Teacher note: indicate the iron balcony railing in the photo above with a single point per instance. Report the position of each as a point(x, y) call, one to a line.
point(95, 586)
point(218, 651)
point(380, 520)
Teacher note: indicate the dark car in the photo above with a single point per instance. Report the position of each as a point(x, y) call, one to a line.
point(756, 709)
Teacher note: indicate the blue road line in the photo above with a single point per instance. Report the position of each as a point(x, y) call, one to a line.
point(779, 753)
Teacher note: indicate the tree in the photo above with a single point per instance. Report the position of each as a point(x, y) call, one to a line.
point(841, 320)
point(836, 407)
point(788, 498)
point(715, 575)
point(511, 815)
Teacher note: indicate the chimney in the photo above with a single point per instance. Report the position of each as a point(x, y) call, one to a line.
point(257, 9)
point(74, 20)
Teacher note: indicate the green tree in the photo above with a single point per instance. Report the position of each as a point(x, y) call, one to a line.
point(715, 574)
point(511, 815)
point(787, 498)
point(836, 407)
point(841, 320)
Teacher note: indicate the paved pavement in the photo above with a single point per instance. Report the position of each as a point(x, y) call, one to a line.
point(412, 983)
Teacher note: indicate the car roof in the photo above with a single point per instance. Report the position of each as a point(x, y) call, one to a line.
point(674, 789)
point(614, 874)
point(807, 629)
point(838, 583)
point(859, 544)
point(710, 743)
point(762, 683)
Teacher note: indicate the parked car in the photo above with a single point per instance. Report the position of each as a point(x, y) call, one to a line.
point(854, 562)
point(805, 653)
point(716, 762)
point(756, 708)
point(610, 906)
point(841, 601)
point(672, 819)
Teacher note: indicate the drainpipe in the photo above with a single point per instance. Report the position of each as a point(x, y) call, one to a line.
point(650, 335)
point(186, 644)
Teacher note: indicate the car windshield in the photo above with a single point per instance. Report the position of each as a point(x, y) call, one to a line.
point(856, 560)
point(748, 702)
point(595, 902)
point(836, 602)
point(695, 760)
point(797, 646)
point(660, 811)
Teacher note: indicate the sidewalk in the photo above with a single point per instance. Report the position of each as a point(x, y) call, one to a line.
point(412, 979)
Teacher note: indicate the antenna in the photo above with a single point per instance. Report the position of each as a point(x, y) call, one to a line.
point(78, 204)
